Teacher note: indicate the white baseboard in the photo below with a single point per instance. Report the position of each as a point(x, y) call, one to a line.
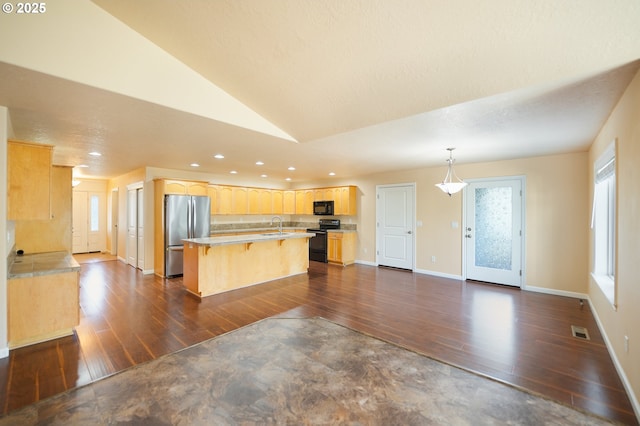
point(366, 262)
point(438, 274)
point(122, 259)
point(148, 272)
point(4, 352)
point(556, 292)
point(625, 380)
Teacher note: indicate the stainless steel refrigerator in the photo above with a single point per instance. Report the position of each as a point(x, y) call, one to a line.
point(185, 216)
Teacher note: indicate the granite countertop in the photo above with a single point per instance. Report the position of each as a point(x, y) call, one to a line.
point(247, 238)
point(257, 230)
point(30, 265)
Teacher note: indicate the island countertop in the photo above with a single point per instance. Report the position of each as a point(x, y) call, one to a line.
point(246, 238)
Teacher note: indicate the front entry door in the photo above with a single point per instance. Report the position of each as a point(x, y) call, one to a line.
point(79, 235)
point(493, 233)
point(395, 214)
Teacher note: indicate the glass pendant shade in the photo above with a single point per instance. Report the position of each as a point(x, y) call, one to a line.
point(448, 185)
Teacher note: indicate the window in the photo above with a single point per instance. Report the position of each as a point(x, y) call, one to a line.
point(95, 213)
point(603, 223)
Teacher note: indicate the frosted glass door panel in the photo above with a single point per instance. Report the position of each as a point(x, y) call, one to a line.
point(494, 226)
point(493, 231)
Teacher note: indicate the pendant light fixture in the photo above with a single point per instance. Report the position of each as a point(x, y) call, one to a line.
point(448, 185)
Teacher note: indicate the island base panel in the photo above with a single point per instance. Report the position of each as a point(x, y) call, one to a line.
point(215, 269)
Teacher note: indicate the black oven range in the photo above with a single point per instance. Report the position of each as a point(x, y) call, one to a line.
point(318, 244)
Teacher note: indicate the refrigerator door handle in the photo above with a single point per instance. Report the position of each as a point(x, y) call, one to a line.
point(190, 218)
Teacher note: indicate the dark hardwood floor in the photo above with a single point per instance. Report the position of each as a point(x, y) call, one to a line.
point(514, 336)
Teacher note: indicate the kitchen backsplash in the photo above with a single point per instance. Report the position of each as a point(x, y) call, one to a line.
point(221, 227)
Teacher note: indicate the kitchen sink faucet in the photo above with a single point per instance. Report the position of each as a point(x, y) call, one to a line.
point(279, 219)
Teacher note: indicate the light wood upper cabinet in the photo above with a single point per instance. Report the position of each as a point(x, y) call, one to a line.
point(260, 201)
point(225, 200)
point(240, 200)
point(289, 202)
point(212, 192)
point(183, 187)
point(175, 187)
point(54, 234)
point(29, 181)
point(345, 201)
point(277, 201)
point(266, 201)
point(253, 195)
point(327, 195)
point(197, 188)
point(304, 201)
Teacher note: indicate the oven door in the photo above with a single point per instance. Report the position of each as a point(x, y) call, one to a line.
point(318, 246)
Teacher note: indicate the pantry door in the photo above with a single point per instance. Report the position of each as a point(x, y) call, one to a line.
point(395, 211)
point(493, 231)
point(79, 235)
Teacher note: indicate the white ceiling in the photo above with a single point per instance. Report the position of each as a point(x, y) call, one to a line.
point(361, 86)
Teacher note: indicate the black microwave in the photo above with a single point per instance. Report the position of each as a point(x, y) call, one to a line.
point(323, 208)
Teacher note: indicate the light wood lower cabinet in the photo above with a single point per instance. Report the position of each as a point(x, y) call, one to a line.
point(42, 307)
point(341, 247)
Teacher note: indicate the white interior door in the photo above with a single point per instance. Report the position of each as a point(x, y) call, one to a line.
point(395, 212)
point(114, 222)
point(132, 227)
point(140, 227)
point(79, 223)
point(493, 233)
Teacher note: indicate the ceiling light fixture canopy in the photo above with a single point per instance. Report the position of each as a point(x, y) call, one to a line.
point(448, 186)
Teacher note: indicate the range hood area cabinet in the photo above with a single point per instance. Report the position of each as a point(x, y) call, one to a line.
point(29, 181)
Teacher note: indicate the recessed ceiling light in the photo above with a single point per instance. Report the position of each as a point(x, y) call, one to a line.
point(219, 156)
point(259, 163)
point(291, 168)
point(95, 154)
point(194, 165)
point(288, 179)
point(233, 172)
point(263, 176)
point(82, 166)
point(331, 174)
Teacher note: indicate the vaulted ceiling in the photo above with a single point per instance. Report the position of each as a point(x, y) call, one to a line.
point(351, 87)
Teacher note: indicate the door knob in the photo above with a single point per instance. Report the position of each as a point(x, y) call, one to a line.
point(468, 236)
point(408, 232)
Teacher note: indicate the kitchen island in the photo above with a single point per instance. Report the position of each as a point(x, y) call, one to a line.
point(217, 264)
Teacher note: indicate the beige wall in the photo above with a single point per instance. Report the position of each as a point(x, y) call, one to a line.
point(623, 125)
point(557, 218)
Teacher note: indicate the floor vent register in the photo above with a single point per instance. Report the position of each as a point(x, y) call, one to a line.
point(580, 332)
